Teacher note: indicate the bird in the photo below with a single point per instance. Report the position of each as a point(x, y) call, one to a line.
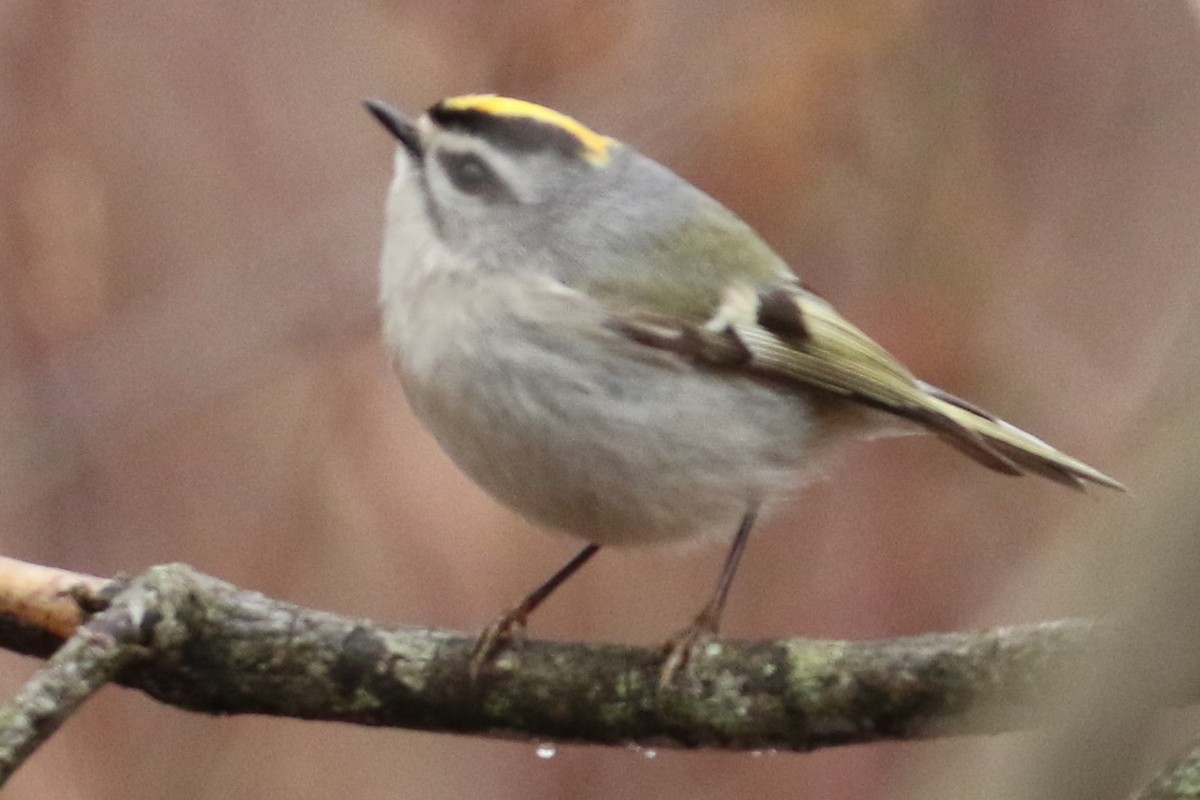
point(612, 353)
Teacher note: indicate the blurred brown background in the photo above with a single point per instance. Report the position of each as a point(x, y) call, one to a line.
point(1007, 195)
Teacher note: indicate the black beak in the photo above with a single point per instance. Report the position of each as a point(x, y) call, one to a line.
point(400, 126)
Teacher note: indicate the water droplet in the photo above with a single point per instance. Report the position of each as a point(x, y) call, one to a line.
point(546, 751)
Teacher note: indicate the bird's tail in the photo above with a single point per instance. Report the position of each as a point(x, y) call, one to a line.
point(1003, 447)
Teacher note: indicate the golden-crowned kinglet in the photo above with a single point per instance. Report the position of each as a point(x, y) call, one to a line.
point(612, 353)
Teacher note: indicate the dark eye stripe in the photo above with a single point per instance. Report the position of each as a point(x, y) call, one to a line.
point(471, 175)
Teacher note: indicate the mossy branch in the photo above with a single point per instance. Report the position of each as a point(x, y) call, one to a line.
point(204, 645)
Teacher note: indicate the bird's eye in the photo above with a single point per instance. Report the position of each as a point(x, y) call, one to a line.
point(471, 175)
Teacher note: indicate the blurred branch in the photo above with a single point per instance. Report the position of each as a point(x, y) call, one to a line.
point(201, 644)
point(51, 602)
point(1179, 779)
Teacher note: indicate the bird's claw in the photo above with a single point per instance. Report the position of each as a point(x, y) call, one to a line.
point(683, 647)
point(506, 629)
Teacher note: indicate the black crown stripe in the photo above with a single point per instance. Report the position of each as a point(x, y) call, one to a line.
point(524, 134)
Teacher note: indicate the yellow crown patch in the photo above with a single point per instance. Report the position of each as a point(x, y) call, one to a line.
point(595, 146)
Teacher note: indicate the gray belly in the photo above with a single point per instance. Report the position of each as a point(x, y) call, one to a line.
point(608, 440)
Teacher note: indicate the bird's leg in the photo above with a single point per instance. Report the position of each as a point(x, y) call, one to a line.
point(509, 625)
point(682, 646)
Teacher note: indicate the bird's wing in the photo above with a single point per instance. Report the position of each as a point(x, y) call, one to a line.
point(784, 332)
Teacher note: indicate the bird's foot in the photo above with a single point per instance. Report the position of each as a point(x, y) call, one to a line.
point(683, 648)
point(505, 630)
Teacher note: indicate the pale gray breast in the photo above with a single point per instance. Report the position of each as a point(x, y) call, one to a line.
point(579, 429)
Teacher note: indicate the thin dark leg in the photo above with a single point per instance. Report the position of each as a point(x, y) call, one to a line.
point(539, 595)
point(716, 605)
point(707, 623)
point(510, 624)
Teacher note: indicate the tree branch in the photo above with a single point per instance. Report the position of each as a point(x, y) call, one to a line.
point(208, 646)
point(91, 658)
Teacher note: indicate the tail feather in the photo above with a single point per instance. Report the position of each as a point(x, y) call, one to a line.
point(1003, 447)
